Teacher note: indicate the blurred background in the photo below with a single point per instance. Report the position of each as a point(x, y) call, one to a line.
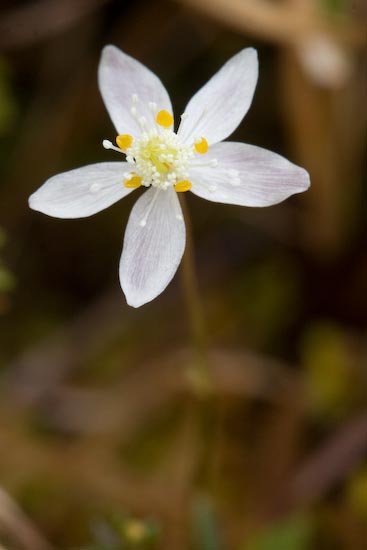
point(115, 433)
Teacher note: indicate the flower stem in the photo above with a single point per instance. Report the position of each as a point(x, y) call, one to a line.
point(199, 373)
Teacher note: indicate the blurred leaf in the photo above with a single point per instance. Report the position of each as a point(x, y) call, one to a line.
point(105, 535)
point(268, 296)
point(2, 237)
point(329, 369)
point(7, 281)
point(333, 7)
point(7, 102)
point(294, 533)
point(205, 533)
point(149, 446)
point(357, 493)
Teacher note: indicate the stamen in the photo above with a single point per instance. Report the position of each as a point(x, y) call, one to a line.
point(124, 141)
point(164, 118)
point(133, 182)
point(107, 144)
point(134, 98)
point(201, 146)
point(182, 186)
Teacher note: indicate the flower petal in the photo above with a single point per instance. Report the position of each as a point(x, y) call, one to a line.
point(246, 175)
point(120, 77)
point(216, 110)
point(152, 252)
point(81, 192)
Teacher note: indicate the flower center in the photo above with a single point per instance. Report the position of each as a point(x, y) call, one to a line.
point(157, 156)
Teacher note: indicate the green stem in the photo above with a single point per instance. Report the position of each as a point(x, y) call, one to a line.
point(199, 373)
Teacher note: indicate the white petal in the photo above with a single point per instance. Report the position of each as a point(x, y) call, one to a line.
point(81, 192)
point(120, 77)
point(246, 175)
point(217, 108)
point(152, 252)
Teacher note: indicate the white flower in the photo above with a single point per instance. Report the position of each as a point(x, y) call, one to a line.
point(167, 162)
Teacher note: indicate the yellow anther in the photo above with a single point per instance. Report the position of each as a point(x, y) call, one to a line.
point(201, 146)
point(133, 183)
point(164, 118)
point(124, 141)
point(183, 185)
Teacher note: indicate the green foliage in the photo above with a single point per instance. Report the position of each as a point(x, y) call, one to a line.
point(205, 532)
point(333, 7)
point(294, 533)
point(329, 370)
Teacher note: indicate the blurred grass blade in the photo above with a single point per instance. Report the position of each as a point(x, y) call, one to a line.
point(205, 532)
point(8, 108)
point(294, 533)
